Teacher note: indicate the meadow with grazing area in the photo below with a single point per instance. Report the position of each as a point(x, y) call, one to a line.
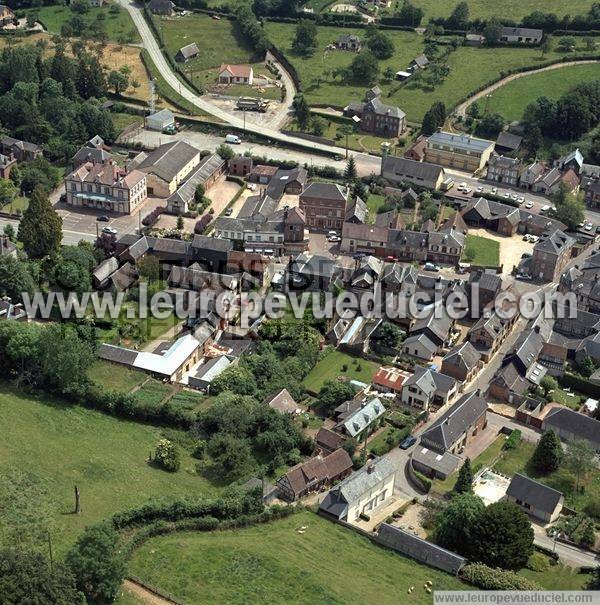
point(118, 25)
point(60, 446)
point(470, 68)
point(218, 42)
point(508, 9)
point(273, 563)
point(511, 99)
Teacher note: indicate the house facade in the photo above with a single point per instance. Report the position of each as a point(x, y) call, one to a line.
point(365, 491)
point(459, 151)
point(551, 255)
point(106, 187)
point(504, 170)
point(236, 74)
point(324, 205)
point(403, 170)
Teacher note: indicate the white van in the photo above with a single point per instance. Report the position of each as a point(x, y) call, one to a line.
point(544, 209)
point(233, 139)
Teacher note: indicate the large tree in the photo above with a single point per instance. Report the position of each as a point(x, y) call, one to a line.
point(40, 229)
point(502, 536)
point(548, 453)
point(580, 459)
point(97, 563)
point(464, 481)
point(455, 524)
point(15, 278)
point(459, 18)
point(301, 110)
point(333, 393)
point(380, 44)
point(364, 68)
point(27, 577)
point(305, 42)
point(434, 118)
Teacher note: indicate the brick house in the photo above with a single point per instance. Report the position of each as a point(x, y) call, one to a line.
point(462, 362)
point(324, 205)
point(551, 255)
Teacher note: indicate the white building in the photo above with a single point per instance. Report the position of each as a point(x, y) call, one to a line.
point(368, 489)
point(160, 120)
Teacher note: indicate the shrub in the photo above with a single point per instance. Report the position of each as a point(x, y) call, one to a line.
point(167, 456)
point(513, 440)
point(592, 508)
point(425, 481)
point(202, 224)
point(538, 562)
point(488, 578)
point(151, 218)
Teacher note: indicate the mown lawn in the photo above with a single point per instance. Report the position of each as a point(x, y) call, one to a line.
point(275, 564)
point(470, 68)
point(330, 367)
point(513, 9)
point(510, 100)
point(63, 446)
point(481, 251)
point(558, 577)
point(119, 27)
point(122, 120)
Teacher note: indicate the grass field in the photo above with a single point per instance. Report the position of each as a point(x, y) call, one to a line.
point(105, 457)
point(514, 9)
point(330, 367)
point(558, 577)
point(274, 564)
point(218, 41)
point(119, 27)
point(482, 251)
point(122, 120)
point(116, 377)
point(511, 100)
point(470, 68)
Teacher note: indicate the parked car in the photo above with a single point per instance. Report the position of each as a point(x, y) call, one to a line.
point(526, 255)
point(334, 239)
point(534, 239)
point(229, 212)
point(494, 190)
point(544, 209)
point(251, 186)
point(520, 200)
point(529, 205)
point(431, 267)
point(233, 139)
point(526, 237)
point(479, 189)
point(524, 276)
point(408, 442)
point(103, 219)
point(110, 230)
point(589, 227)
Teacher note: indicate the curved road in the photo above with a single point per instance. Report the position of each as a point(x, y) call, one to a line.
point(461, 109)
point(151, 45)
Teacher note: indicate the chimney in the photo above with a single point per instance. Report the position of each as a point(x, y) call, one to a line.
point(537, 329)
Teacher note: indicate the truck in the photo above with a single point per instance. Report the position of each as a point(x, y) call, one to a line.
point(447, 184)
point(252, 104)
point(233, 139)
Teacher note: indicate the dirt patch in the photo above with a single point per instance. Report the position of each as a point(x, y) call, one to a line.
point(143, 595)
point(116, 56)
point(411, 520)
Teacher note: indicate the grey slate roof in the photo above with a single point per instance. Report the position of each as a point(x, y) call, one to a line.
point(207, 167)
point(356, 485)
point(453, 423)
point(167, 160)
point(117, 354)
point(325, 191)
point(444, 464)
point(188, 51)
point(569, 421)
point(534, 493)
point(554, 243)
point(419, 549)
point(522, 32)
point(356, 422)
point(357, 211)
point(508, 140)
point(211, 243)
point(430, 381)
point(405, 168)
point(464, 355)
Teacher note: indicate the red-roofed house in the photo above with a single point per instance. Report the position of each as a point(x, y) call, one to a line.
point(236, 74)
point(390, 380)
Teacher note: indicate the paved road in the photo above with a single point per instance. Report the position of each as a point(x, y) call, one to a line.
point(283, 113)
point(461, 109)
point(151, 45)
point(568, 554)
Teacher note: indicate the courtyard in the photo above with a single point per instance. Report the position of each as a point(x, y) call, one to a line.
point(511, 248)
